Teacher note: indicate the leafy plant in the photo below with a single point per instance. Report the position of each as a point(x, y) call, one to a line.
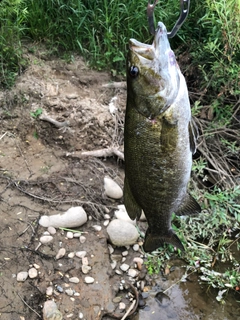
point(36, 113)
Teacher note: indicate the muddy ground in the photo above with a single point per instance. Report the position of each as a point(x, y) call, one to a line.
point(42, 172)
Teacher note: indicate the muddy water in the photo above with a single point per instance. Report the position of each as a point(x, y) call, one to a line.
point(185, 301)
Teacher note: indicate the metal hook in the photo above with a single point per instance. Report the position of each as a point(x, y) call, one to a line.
point(184, 9)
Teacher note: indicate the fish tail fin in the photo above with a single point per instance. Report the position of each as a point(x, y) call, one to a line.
point(154, 241)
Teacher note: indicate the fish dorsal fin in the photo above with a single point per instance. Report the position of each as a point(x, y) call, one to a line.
point(193, 135)
point(133, 209)
point(188, 206)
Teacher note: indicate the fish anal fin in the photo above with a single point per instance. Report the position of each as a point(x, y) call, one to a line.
point(133, 209)
point(189, 206)
point(154, 241)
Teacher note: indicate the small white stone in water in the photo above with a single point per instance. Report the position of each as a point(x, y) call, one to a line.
point(112, 189)
point(74, 280)
point(85, 261)
point(46, 239)
point(89, 280)
point(132, 273)
point(85, 269)
point(52, 230)
point(97, 227)
point(122, 306)
point(22, 276)
point(124, 267)
point(49, 291)
point(136, 247)
point(106, 223)
point(110, 249)
point(106, 216)
point(124, 253)
point(82, 239)
point(32, 273)
point(71, 255)
point(76, 234)
point(81, 254)
point(69, 292)
point(69, 235)
point(61, 253)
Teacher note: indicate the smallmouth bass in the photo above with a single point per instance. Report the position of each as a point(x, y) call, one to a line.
point(159, 140)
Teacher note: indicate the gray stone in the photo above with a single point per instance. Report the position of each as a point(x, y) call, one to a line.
point(122, 233)
point(122, 214)
point(61, 253)
point(89, 280)
point(74, 280)
point(112, 189)
point(22, 276)
point(46, 239)
point(32, 273)
point(50, 311)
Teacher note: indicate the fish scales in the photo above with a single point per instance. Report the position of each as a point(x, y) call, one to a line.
point(159, 139)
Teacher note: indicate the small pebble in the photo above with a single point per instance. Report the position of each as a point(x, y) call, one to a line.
point(76, 234)
point(61, 253)
point(72, 299)
point(22, 276)
point(76, 294)
point(124, 267)
point(113, 264)
point(138, 259)
point(80, 316)
point(85, 261)
point(85, 269)
point(70, 315)
point(50, 311)
point(71, 255)
point(110, 249)
point(74, 280)
point(118, 272)
point(82, 239)
point(32, 273)
point(122, 306)
point(124, 253)
point(136, 247)
point(132, 273)
point(81, 254)
point(46, 233)
point(112, 189)
point(124, 259)
point(52, 230)
point(97, 227)
point(59, 289)
point(69, 292)
point(89, 280)
point(49, 291)
point(69, 235)
point(106, 223)
point(36, 266)
point(117, 299)
point(106, 216)
point(46, 239)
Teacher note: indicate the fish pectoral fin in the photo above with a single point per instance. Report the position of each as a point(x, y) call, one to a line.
point(189, 206)
point(154, 241)
point(133, 209)
point(193, 135)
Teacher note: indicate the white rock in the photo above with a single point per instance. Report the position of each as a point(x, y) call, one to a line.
point(124, 253)
point(124, 267)
point(106, 216)
point(49, 291)
point(136, 247)
point(52, 230)
point(122, 306)
point(113, 264)
point(97, 227)
point(46, 239)
point(74, 280)
point(76, 234)
point(106, 223)
point(80, 316)
point(61, 253)
point(36, 266)
point(22, 276)
point(50, 311)
point(32, 273)
point(112, 189)
point(133, 273)
point(82, 239)
point(89, 279)
point(118, 272)
point(69, 235)
point(46, 233)
point(71, 255)
point(85, 269)
point(138, 260)
point(73, 217)
point(122, 214)
point(110, 249)
point(69, 292)
point(122, 233)
point(81, 254)
point(85, 261)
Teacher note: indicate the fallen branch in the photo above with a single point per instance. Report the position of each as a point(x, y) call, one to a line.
point(45, 117)
point(108, 152)
point(29, 306)
point(122, 84)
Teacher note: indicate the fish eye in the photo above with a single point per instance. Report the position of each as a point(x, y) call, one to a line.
point(133, 71)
